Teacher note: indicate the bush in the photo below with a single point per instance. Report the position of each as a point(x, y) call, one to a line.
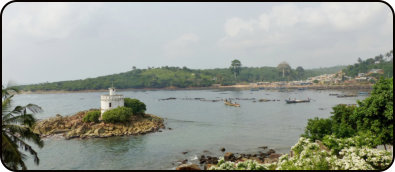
point(309, 156)
point(137, 106)
point(317, 128)
point(92, 116)
point(119, 114)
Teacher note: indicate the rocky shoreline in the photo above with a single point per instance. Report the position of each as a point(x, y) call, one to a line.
point(73, 126)
point(206, 159)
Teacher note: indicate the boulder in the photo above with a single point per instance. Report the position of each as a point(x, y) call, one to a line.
point(188, 167)
point(222, 149)
point(274, 155)
point(229, 156)
point(271, 151)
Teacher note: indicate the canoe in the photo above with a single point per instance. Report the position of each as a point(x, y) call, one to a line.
point(297, 101)
point(232, 104)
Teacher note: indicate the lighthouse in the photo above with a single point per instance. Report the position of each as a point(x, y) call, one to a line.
point(110, 101)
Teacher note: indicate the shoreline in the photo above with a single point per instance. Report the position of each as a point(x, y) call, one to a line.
point(238, 86)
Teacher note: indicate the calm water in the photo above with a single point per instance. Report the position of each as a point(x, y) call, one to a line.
point(196, 126)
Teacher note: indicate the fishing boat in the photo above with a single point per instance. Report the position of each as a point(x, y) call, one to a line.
point(297, 101)
point(346, 95)
point(231, 104)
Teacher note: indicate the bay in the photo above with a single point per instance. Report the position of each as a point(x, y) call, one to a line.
point(197, 126)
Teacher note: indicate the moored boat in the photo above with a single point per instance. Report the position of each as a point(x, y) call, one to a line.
point(231, 104)
point(297, 101)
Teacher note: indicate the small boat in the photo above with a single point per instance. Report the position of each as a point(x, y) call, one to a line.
point(363, 93)
point(232, 104)
point(297, 101)
point(333, 94)
point(346, 95)
point(254, 89)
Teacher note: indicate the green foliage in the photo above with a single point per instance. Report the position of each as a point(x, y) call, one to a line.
point(16, 129)
point(362, 139)
point(378, 62)
point(92, 116)
point(119, 114)
point(245, 165)
point(176, 77)
point(371, 120)
point(375, 113)
point(317, 128)
point(136, 105)
point(309, 156)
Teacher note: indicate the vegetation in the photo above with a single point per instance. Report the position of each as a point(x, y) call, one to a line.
point(92, 116)
point(310, 156)
point(16, 129)
point(176, 77)
point(374, 115)
point(378, 62)
point(117, 115)
point(138, 107)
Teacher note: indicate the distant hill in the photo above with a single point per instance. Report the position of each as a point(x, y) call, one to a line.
point(177, 77)
point(378, 62)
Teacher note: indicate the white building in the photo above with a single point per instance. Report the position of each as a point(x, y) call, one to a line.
point(110, 101)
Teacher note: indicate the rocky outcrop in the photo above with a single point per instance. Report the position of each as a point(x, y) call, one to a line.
point(74, 127)
point(188, 167)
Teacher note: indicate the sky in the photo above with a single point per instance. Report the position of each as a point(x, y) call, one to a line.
point(47, 42)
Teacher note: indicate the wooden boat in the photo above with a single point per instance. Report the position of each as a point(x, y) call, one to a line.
point(232, 104)
point(346, 95)
point(297, 101)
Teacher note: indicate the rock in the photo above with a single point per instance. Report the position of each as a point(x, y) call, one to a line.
point(229, 156)
point(274, 155)
point(184, 152)
point(184, 161)
point(169, 128)
point(271, 151)
point(263, 147)
point(222, 149)
point(188, 167)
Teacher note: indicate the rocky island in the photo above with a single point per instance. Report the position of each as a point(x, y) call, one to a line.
point(74, 126)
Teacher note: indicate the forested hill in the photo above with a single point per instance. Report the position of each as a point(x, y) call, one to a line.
point(179, 77)
point(384, 62)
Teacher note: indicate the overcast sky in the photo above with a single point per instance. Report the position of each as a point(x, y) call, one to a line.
point(66, 41)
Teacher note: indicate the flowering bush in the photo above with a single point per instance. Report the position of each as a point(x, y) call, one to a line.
point(245, 165)
point(308, 156)
point(360, 140)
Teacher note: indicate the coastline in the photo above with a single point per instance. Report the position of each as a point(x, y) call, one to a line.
point(237, 86)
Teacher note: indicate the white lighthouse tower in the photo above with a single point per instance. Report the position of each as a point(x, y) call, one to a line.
point(110, 101)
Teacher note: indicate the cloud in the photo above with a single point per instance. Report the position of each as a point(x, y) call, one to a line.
point(182, 46)
point(331, 33)
point(46, 20)
point(289, 24)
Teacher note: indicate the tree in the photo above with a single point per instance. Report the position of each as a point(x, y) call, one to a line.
point(300, 72)
point(137, 106)
point(235, 67)
point(284, 68)
point(375, 113)
point(16, 129)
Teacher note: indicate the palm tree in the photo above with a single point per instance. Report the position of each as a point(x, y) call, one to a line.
point(16, 129)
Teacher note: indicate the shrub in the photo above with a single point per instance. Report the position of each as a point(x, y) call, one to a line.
point(245, 165)
point(119, 114)
point(309, 156)
point(92, 116)
point(317, 128)
point(137, 106)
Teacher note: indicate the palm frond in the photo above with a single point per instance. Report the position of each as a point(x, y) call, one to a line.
point(24, 133)
point(10, 154)
point(26, 147)
point(25, 119)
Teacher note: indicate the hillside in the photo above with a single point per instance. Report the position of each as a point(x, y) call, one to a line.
point(176, 77)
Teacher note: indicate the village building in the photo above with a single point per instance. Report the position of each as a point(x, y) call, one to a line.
point(110, 101)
